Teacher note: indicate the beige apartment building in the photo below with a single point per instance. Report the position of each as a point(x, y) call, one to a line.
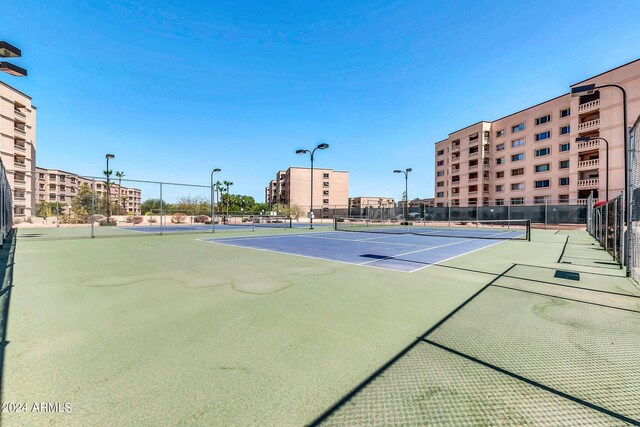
point(18, 147)
point(292, 187)
point(372, 202)
point(532, 155)
point(55, 185)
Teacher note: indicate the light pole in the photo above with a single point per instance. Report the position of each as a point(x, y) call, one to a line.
point(406, 191)
point(108, 173)
point(588, 90)
point(322, 146)
point(10, 51)
point(606, 154)
point(213, 210)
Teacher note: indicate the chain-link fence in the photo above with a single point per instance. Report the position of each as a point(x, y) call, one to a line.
point(633, 228)
point(606, 225)
point(6, 203)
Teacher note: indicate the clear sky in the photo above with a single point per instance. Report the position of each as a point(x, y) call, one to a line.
point(174, 88)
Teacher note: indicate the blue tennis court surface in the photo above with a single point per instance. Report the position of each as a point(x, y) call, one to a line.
point(401, 252)
point(204, 228)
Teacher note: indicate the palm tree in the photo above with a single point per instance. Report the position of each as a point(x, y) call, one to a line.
point(228, 184)
point(218, 188)
point(120, 175)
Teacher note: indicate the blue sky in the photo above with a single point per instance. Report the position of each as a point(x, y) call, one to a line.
point(176, 88)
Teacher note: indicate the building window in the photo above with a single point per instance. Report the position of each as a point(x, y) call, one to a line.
point(541, 168)
point(517, 186)
point(564, 164)
point(543, 135)
point(499, 188)
point(325, 192)
point(563, 198)
point(565, 130)
point(325, 175)
point(325, 201)
point(517, 142)
point(517, 128)
point(564, 181)
point(440, 152)
point(500, 133)
point(565, 147)
point(41, 176)
point(542, 152)
point(440, 162)
point(440, 194)
point(565, 113)
point(517, 200)
point(499, 147)
point(440, 173)
point(325, 184)
point(500, 174)
point(543, 183)
point(440, 184)
point(539, 200)
point(499, 202)
point(516, 172)
point(500, 161)
point(543, 119)
point(517, 157)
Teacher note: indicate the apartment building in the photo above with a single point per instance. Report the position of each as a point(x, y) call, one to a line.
point(532, 155)
point(292, 186)
point(55, 185)
point(18, 147)
point(372, 202)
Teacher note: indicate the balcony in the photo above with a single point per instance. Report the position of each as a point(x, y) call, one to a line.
point(20, 115)
point(18, 181)
point(473, 179)
point(19, 147)
point(586, 183)
point(589, 145)
point(20, 165)
point(582, 202)
point(591, 124)
point(589, 106)
point(19, 131)
point(474, 141)
point(19, 198)
point(588, 163)
point(472, 193)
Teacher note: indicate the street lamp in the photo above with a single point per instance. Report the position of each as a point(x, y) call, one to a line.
point(589, 90)
point(213, 211)
point(108, 173)
point(595, 138)
point(9, 51)
point(322, 146)
point(406, 191)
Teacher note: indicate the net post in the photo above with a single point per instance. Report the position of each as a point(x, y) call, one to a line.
point(528, 230)
point(161, 209)
point(335, 224)
point(93, 207)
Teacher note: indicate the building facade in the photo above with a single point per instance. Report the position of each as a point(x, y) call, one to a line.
point(532, 156)
point(292, 187)
point(18, 148)
point(58, 186)
point(372, 202)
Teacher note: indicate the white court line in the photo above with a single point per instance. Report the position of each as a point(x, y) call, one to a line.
point(413, 252)
point(456, 256)
point(362, 240)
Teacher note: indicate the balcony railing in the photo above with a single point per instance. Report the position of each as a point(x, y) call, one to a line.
point(19, 131)
point(19, 181)
point(19, 114)
point(591, 124)
point(20, 165)
point(472, 193)
point(474, 141)
point(582, 202)
point(19, 198)
point(589, 105)
point(589, 145)
point(471, 167)
point(593, 182)
point(19, 147)
point(588, 163)
point(473, 179)
point(474, 154)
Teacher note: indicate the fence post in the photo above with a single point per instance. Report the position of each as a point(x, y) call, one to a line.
point(93, 206)
point(623, 250)
point(161, 209)
point(449, 213)
point(546, 204)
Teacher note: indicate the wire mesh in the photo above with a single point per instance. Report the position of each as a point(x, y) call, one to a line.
point(6, 203)
point(633, 229)
point(606, 225)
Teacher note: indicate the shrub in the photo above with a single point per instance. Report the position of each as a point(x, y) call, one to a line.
point(178, 218)
point(17, 220)
point(202, 219)
point(151, 220)
point(137, 219)
point(103, 222)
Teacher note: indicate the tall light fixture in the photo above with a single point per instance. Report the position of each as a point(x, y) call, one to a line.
point(406, 191)
point(213, 210)
point(322, 146)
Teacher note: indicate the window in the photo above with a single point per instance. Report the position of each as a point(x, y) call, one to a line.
point(499, 147)
point(565, 113)
point(539, 200)
point(564, 180)
point(440, 173)
point(62, 197)
point(564, 164)
point(41, 176)
point(325, 184)
point(500, 133)
point(542, 152)
point(325, 201)
point(440, 184)
point(517, 157)
point(325, 175)
point(565, 147)
point(565, 130)
point(563, 198)
point(517, 200)
point(516, 172)
point(440, 194)
point(499, 188)
point(440, 152)
point(543, 119)
point(440, 162)
point(517, 142)
point(325, 193)
point(517, 186)
point(500, 161)
point(499, 202)
point(542, 168)
point(543, 183)
point(517, 128)
point(500, 174)
point(543, 135)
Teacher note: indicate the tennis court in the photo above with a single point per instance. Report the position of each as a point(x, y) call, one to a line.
point(390, 246)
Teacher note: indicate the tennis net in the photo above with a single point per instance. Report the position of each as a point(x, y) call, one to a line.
point(258, 221)
point(517, 229)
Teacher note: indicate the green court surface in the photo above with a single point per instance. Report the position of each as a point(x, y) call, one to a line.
point(171, 330)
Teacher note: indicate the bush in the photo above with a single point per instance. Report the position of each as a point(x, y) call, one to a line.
point(111, 222)
point(202, 219)
point(137, 219)
point(151, 220)
point(17, 220)
point(178, 218)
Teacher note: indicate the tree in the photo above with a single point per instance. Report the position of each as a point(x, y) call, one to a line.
point(228, 184)
point(47, 209)
point(120, 175)
point(153, 205)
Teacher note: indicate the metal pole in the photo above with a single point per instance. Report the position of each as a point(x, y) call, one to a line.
point(449, 213)
point(108, 194)
point(406, 196)
point(616, 222)
point(623, 251)
point(545, 212)
point(606, 226)
point(161, 209)
point(311, 195)
point(93, 206)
